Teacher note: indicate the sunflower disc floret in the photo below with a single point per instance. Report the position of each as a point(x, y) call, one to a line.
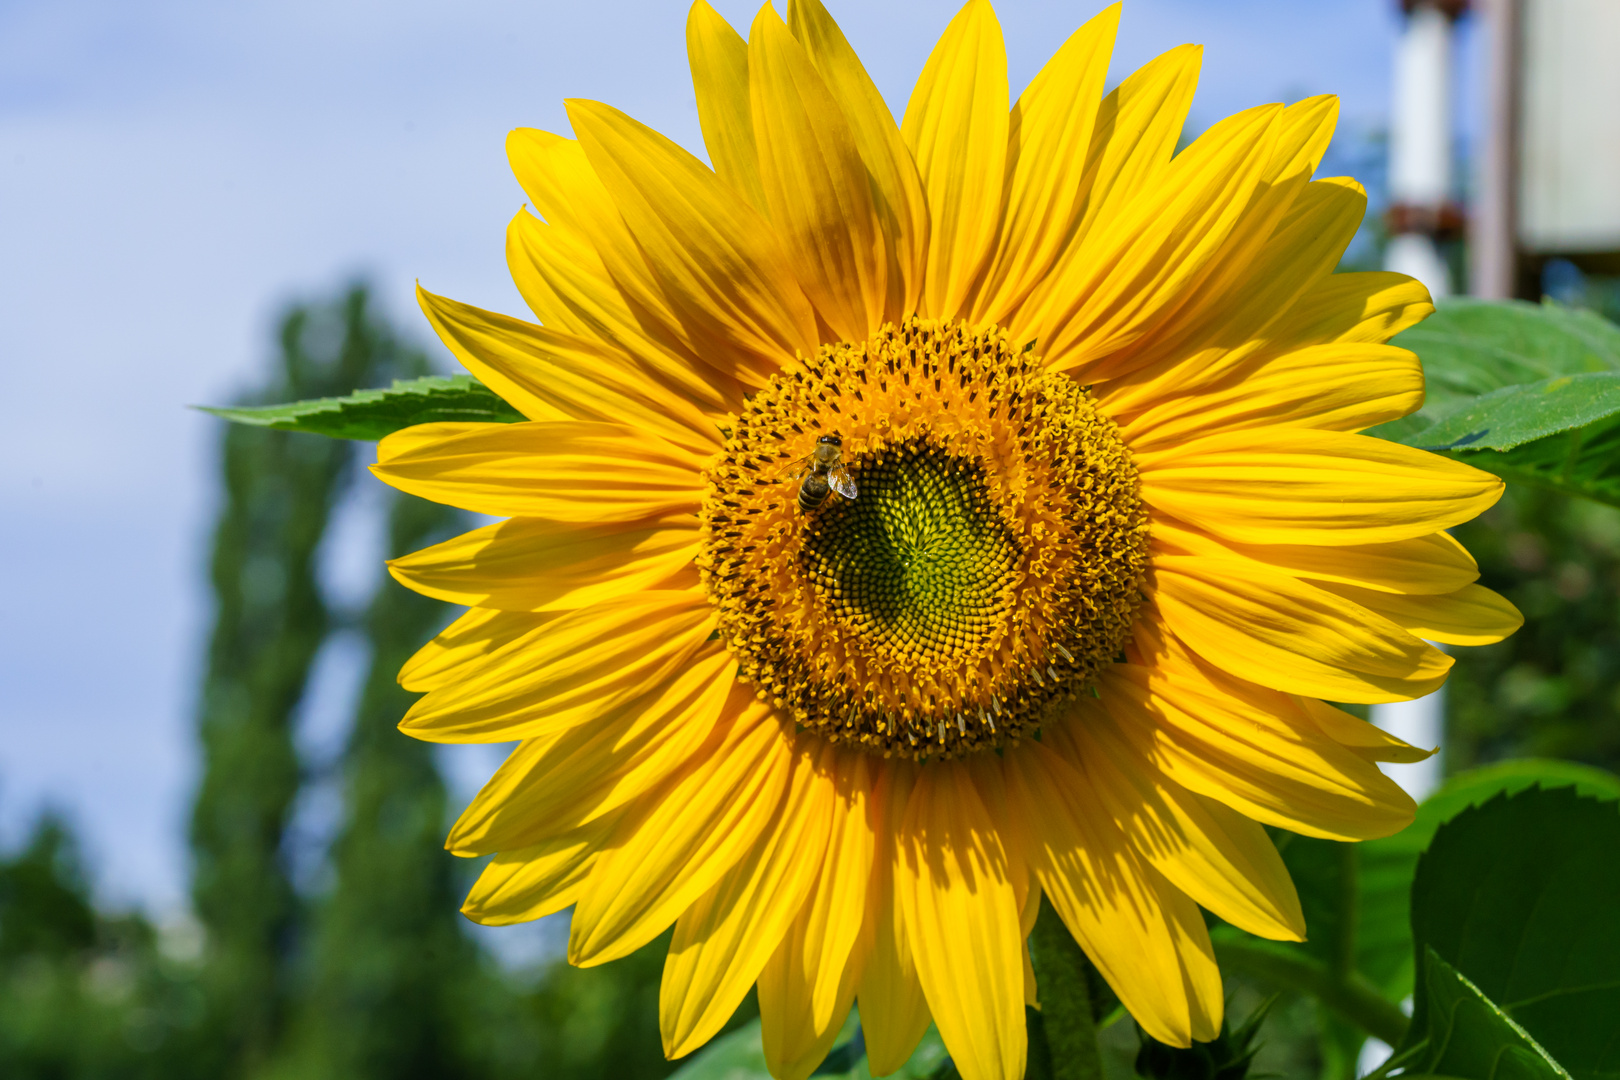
point(989, 568)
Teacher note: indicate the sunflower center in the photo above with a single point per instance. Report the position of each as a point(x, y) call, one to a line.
point(922, 562)
point(989, 564)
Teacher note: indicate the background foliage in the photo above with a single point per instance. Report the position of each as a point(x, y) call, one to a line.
point(368, 973)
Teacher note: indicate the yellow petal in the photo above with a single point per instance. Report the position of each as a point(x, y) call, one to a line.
point(557, 376)
point(676, 845)
point(1227, 281)
point(554, 174)
point(567, 671)
point(1334, 387)
point(551, 784)
point(807, 987)
point(642, 320)
point(897, 188)
point(560, 276)
point(525, 564)
point(1249, 747)
point(564, 470)
point(722, 942)
point(716, 259)
point(894, 1012)
point(990, 780)
point(1220, 858)
point(533, 882)
point(562, 279)
point(1308, 129)
point(1048, 136)
point(816, 186)
point(1354, 733)
point(1295, 486)
point(956, 126)
point(794, 1054)
point(424, 436)
point(1272, 629)
point(1146, 937)
point(1371, 306)
point(794, 1046)
point(464, 644)
point(719, 59)
point(1436, 563)
point(1138, 268)
point(837, 911)
point(1032, 990)
point(1284, 278)
point(1132, 139)
point(960, 915)
point(1473, 615)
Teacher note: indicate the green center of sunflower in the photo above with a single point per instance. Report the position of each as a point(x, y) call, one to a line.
point(988, 566)
point(921, 561)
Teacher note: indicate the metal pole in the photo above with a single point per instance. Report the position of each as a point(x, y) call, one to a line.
point(1492, 232)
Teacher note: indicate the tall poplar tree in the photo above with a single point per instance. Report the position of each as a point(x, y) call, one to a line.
point(269, 622)
point(389, 964)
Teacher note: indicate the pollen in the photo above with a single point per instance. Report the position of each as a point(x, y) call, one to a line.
point(989, 566)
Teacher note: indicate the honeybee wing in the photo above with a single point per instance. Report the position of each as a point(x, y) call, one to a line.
point(795, 470)
point(843, 483)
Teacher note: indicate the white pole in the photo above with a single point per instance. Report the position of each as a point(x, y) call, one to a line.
point(1420, 189)
point(1422, 723)
point(1420, 182)
point(1492, 211)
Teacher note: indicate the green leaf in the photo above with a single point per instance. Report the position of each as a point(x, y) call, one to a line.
point(1520, 895)
point(1584, 462)
point(1472, 347)
point(739, 1055)
point(736, 1056)
point(1472, 1038)
point(1515, 415)
point(1388, 864)
point(372, 414)
point(1478, 786)
point(1531, 393)
point(1357, 900)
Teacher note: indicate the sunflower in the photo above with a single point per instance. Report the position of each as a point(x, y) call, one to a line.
point(913, 521)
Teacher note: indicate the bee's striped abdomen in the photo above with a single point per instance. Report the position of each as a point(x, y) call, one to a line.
point(812, 493)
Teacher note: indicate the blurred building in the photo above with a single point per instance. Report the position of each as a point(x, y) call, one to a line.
point(1548, 173)
point(1546, 185)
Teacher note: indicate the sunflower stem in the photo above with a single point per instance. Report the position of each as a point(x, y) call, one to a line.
point(1352, 997)
point(1068, 1021)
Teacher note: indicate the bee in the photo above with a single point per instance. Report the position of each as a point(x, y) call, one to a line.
point(821, 472)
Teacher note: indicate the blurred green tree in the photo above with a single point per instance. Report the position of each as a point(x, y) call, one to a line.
point(375, 975)
point(1553, 688)
point(44, 897)
point(389, 960)
point(84, 994)
point(270, 622)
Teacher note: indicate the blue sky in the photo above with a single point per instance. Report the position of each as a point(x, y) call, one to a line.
point(173, 171)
